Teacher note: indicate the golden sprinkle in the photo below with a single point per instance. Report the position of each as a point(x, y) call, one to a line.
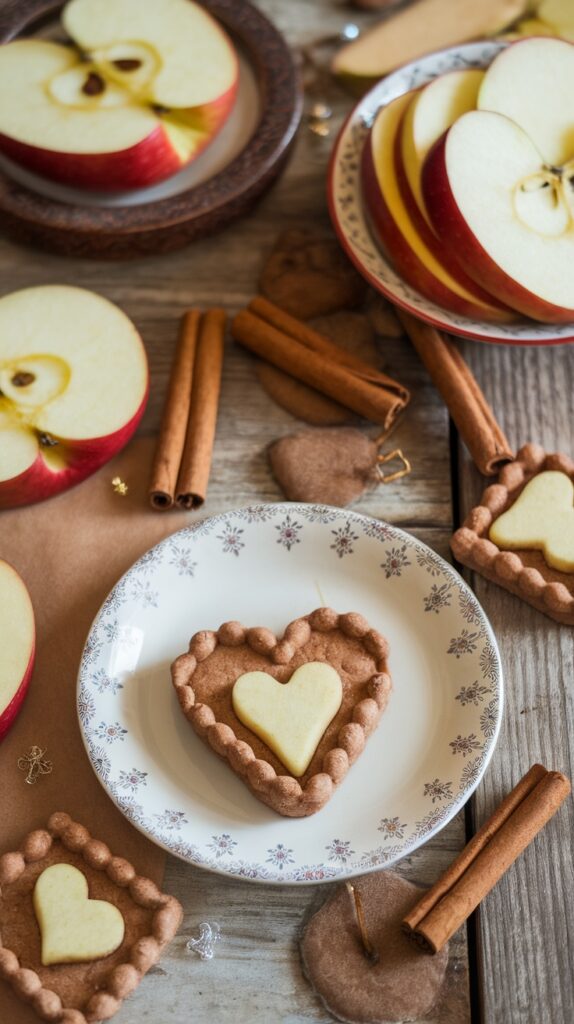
point(119, 486)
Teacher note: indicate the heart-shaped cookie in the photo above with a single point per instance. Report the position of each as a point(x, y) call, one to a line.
point(542, 518)
point(74, 928)
point(205, 678)
point(290, 717)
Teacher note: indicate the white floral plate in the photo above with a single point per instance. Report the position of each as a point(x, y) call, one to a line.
point(266, 565)
point(348, 215)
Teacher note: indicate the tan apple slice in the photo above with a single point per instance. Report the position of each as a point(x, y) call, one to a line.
point(418, 29)
point(185, 58)
point(415, 260)
point(431, 112)
point(17, 644)
point(559, 14)
point(505, 216)
point(73, 387)
point(532, 82)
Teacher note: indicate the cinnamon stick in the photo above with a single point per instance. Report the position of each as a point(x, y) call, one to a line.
point(167, 459)
point(465, 401)
point(308, 356)
point(486, 857)
point(191, 487)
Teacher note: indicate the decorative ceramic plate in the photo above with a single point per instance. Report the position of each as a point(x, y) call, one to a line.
point(224, 181)
point(349, 220)
point(266, 565)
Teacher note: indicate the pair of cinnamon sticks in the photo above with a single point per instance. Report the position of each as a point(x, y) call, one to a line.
point(182, 462)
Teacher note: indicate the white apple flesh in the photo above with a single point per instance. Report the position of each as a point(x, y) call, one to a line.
point(73, 388)
point(17, 644)
point(504, 215)
point(417, 261)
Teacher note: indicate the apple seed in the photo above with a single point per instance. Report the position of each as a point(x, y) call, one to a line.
point(22, 379)
point(127, 64)
point(47, 441)
point(94, 84)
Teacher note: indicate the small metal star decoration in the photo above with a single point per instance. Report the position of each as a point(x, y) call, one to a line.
point(119, 486)
point(34, 763)
point(204, 944)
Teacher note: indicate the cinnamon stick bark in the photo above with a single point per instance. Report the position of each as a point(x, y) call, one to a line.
point(191, 487)
point(465, 401)
point(486, 857)
point(308, 356)
point(168, 454)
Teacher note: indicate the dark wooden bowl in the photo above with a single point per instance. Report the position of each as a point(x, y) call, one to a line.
point(122, 232)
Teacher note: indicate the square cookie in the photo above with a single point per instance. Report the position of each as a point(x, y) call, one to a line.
point(522, 572)
point(204, 679)
point(77, 993)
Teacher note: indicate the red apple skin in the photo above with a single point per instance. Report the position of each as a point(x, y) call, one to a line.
point(84, 457)
point(9, 714)
point(432, 240)
point(456, 236)
point(150, 161)
point(405, 260)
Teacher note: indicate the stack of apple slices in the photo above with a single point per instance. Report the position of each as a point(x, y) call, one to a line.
point(143, 90)
point(469, 185)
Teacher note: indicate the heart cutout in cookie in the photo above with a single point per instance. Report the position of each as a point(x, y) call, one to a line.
point(74, 928)
point(290, 717)
point(541, 518)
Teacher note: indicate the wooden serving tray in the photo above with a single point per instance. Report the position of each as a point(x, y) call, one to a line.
point(40, 212)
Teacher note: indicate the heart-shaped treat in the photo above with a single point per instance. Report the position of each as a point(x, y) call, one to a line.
point(74, 928)
point(541, 518)
point(290, 717)
point(304, 703)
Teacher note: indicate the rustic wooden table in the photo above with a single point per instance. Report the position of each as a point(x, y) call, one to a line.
point(515, 964)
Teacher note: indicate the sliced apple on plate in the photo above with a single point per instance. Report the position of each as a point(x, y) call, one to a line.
point(144, 90)
point(414, 259)
point(504, 213)
point(73, 388)
point(17, 644)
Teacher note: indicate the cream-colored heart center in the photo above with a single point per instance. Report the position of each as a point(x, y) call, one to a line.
point(541, 518)
point(290, 717)
point(74, 928)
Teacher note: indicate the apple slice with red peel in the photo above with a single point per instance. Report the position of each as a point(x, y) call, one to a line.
point(17, 644)
point(146, 91)
point(416, 260)
point(532, 82)
point(73, 388)
point(504, 214)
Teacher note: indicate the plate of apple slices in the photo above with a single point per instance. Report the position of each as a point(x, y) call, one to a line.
point(451, 187)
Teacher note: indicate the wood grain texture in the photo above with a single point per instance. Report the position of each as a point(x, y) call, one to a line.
point(525, 924)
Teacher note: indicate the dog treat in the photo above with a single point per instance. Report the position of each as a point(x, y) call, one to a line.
point(78, 993)
point(463, 398)
point(351, 332)
point(308, 274)
point(541, 518)
point(74, 928)
point(303, 353)
point(524, 571)
point(204, 679)
point(400, 983)
point(486, 857)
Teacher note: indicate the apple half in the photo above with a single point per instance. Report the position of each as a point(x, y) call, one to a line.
point(143, 91)
point(73, 388)
point(415, 260)
point(504, 213)
point(17, 644)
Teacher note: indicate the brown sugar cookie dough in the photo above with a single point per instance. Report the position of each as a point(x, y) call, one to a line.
point(308, 274)
point(403, 984)
point(331, 466)
point(353, 333)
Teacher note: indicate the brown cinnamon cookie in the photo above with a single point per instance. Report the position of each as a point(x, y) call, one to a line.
point(333, 466)
point(205, 678)
point(523, 572)
point(77, 993)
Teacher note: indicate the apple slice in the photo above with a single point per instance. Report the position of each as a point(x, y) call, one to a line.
point(428, 116)
point(558, 15)
point(17, 644)
point(532, 82)
point(73, 388)
point(413, 258)
point(505, 215)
